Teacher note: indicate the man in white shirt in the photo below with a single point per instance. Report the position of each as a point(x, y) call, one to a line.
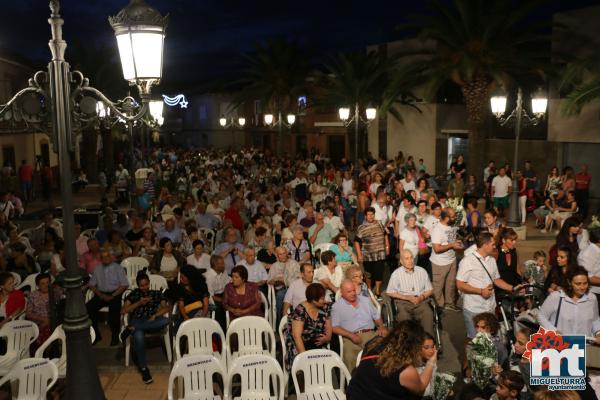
point(408, 182)
point(329, 274)
point(443, 260)
point(476, 278)
point(296, 292)
point(383, 211)
point(256, 270)
point(409, 287)
point(320, 232)
point(589, 258)
point(216, 279)
point(501, 187)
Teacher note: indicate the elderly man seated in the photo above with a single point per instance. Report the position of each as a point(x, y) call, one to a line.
point(409, 287)
point(356, 320)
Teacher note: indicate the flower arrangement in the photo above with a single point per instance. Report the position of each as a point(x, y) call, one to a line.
point(456, 204)
point(595, 223)
point(482, 356)
point(442, 385)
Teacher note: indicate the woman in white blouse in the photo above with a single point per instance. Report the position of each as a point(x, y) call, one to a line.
point(409, 237)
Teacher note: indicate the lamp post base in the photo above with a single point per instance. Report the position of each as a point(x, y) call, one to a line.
point(514, 217)
point(81, 367)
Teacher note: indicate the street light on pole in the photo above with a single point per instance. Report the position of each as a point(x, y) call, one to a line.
point(270, 121)
point(139, 30)
point(344, 114)
point(539, 103)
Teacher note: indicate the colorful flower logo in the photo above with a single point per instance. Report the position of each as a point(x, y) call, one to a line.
point(543, 340)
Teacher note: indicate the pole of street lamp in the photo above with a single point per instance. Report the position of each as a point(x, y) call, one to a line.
point(280, 134)
point(83, 382)
point(514, 218)
point(356, 129)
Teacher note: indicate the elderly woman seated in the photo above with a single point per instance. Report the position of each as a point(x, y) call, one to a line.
point(240, 297)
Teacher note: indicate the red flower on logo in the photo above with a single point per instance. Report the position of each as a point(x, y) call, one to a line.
point(543, 340)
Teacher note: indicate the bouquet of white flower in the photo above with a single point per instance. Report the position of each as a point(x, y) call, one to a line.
point(442, 385)
point(456, 204)
point(595, 223)
point(482, 356)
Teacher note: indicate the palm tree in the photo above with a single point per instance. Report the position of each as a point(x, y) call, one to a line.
point(360, 79)
point(479, 44)
point(581, 82)
point(276, 74)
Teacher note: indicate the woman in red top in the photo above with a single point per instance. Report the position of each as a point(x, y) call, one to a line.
point(12, 301)
point(240, 297)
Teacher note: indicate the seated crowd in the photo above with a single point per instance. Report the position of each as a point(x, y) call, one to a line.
point(222, 228)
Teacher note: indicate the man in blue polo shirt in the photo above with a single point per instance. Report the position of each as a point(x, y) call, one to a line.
point(356, 320)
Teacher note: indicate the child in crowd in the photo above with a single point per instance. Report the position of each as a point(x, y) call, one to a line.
point(487, 322)
point(535, 272)
point(509, 386)
point(427, 352)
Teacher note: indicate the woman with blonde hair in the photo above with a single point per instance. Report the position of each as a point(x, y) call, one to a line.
point(388, 367)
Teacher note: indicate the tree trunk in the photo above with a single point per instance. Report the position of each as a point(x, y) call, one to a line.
point(90, 155)
point(476, 94)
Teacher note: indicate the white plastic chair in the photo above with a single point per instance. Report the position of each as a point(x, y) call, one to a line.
point(272, 306)
point(60, 362)
point(265, 306)
point(34, 377)
point(133, 265)
point(317, 367)
point(210, 235)
point(17, 278)
point(358, 358)
point(256, 373)
point(319, 249)
point(195, 375)
point(89, 233)
point(19, 335)
point(29, 282)
point(251, 333)
point(199, 333)
point(282, 338)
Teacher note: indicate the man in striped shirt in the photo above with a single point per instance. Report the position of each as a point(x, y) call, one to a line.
point(409, 287)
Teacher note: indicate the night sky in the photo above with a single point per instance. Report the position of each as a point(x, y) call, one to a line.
point(206, 37)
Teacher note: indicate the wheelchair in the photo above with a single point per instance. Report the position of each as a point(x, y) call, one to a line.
point(389, 313)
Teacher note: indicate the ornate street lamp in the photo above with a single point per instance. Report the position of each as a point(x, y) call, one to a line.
point(68, 97)
point(344, 114)
point(539, 103)
point(240, 123)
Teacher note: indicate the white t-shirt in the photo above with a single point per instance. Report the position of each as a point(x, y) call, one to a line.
point(443, 234)
point(501, 185)
point(200, 263)
point(335, 222)
point(589, 259)
point(408, 186)
point(296, 293)
point(256, 271)
point(411, 240)
point(471, 271)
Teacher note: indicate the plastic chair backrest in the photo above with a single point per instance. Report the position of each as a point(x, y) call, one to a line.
point(319, 249)
point(199, 333)
point(256, 373)
point(272, 306)
point(19, 335)
point(197, 372)
point(34, 376)
point(317, 367)
point(89, 233)
point(29, 282)
point(59, 334)
point(17, 278)
point(282, 330)
point(133, 265)
point(158, 282)
point(210, 236)
point(250, 332)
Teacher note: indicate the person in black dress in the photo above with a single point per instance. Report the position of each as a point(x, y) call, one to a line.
point(388, 367)
point(507, 260)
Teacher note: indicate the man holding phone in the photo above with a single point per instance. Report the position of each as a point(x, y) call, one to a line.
point(443, 260)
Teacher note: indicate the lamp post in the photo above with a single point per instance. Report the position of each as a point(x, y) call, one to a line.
point(539, 102)
point(269, 120)
point(344, 114)
point(228, 123)
point(139, 30)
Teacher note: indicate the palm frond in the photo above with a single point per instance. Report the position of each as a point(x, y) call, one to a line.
point(580, 96)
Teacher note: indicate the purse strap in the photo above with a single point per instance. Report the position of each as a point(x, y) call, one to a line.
point(558, 312)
